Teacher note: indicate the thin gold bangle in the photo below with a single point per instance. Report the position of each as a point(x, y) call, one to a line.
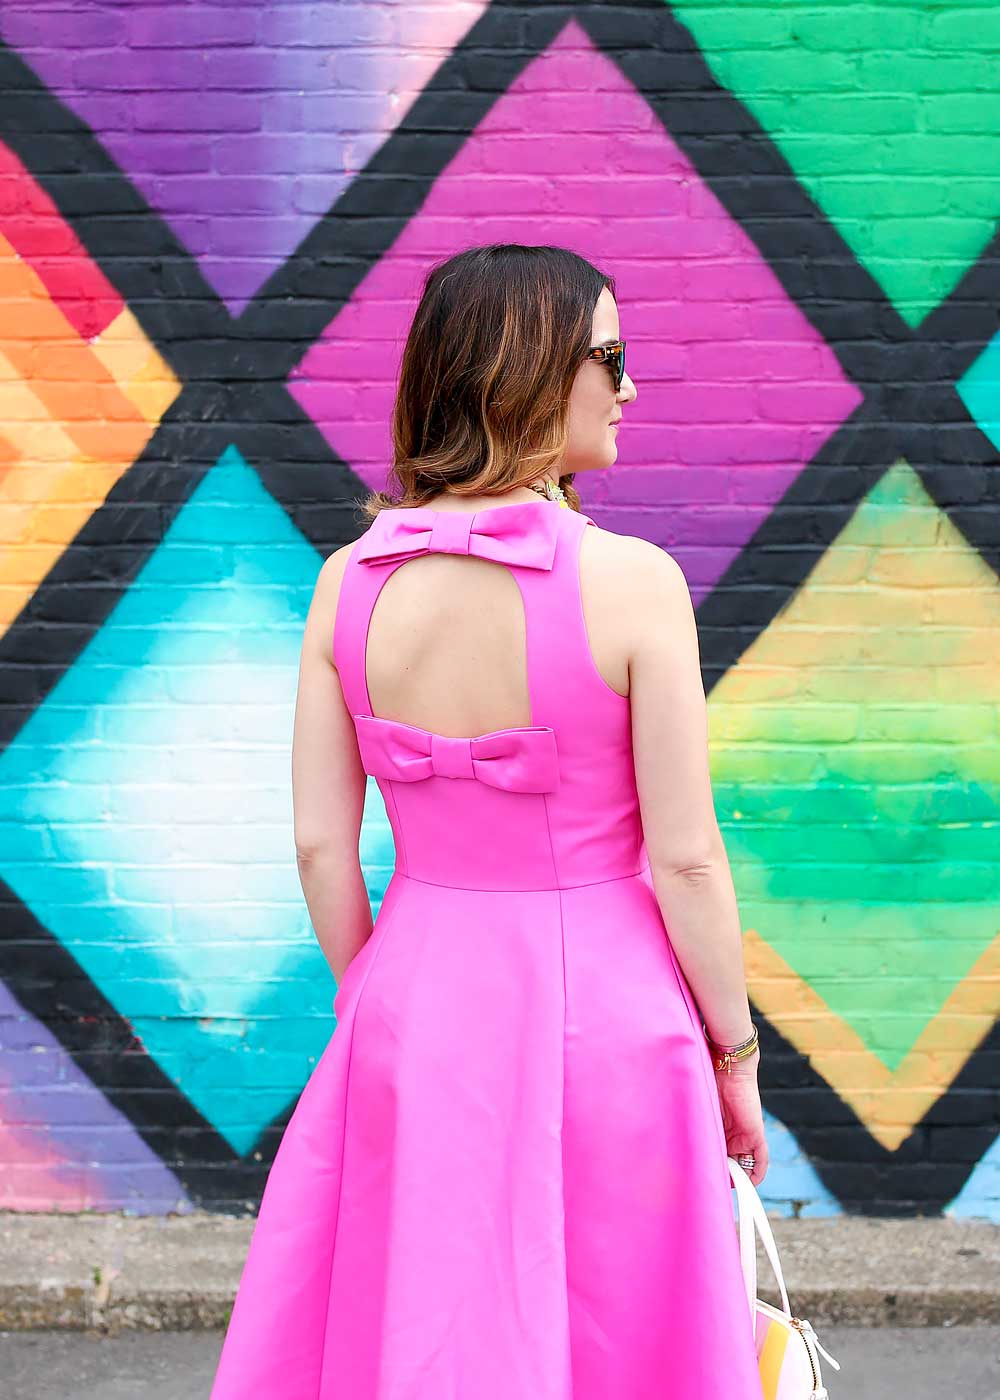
point(723, 1056)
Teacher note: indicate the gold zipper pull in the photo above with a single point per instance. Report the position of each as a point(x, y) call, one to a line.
point(800, 1325)
point(811, 1330)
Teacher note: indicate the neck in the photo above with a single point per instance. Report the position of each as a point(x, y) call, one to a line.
point(527, 491)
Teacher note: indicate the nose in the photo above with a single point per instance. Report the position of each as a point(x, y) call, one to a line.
point(628, 392)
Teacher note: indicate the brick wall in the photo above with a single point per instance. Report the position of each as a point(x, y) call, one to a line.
point(214, 221)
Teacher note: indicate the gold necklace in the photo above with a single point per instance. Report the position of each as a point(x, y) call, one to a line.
point(552, 491)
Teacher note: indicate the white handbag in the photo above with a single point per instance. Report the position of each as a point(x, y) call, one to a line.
point(787, 1346)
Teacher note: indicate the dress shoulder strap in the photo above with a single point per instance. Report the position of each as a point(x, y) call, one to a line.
point(562, 673)
point(538, 541)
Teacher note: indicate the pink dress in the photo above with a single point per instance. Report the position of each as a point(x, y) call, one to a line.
point(506, 1177)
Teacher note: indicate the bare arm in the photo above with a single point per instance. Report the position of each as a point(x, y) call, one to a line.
point(688, 860)
point(328, 787)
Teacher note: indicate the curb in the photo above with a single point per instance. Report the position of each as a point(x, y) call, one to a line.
point(110, 1273)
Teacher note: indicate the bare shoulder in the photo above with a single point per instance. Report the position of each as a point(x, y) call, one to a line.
point(637, 578)
point(326, 593)
point(329, 578)
point(334, 564)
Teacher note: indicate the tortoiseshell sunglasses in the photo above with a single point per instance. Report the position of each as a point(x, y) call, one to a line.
point(613, 356)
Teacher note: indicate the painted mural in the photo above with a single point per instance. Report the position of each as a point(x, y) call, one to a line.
point(214, 223)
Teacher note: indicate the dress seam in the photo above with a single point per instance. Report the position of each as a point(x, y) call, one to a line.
point(562, 1096)
point(529, 889)
point(562, 1146)
point(343, 1144)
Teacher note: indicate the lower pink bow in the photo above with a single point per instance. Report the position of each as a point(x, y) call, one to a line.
point(521, 760)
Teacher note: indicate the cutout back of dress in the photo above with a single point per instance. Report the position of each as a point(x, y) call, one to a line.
point(446, 646)
point(477, 702)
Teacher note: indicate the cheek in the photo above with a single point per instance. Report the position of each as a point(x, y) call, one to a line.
point(591, 410)
point(603, 413)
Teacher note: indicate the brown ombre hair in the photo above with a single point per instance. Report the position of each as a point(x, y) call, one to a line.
point(483, 396)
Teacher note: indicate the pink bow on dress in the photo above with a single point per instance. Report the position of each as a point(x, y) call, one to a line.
point(522, 533)
point(520, 760)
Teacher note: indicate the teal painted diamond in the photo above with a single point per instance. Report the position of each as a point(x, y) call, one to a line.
point(152, 803)
point(979, 389)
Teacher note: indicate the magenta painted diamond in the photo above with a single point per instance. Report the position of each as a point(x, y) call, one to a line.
point(737, 391)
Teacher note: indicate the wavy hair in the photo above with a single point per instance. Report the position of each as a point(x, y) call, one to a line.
point(483, 396)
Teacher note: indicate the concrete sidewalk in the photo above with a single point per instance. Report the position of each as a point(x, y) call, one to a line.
point(178, 1273)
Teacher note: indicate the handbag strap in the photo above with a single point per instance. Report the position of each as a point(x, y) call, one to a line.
point(753, 1218)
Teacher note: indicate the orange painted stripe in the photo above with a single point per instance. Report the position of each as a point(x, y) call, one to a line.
point(46, 495)
point(63, 371)
point(9, 454)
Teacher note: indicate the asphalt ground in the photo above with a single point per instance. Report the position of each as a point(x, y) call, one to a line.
point(962, 1363)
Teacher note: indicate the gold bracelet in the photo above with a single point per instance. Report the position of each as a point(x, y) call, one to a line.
point(724, 1055)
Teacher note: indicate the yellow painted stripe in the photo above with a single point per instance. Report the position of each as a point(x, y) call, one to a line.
point(888, 1102)
point(48, 490)
point(143, 376)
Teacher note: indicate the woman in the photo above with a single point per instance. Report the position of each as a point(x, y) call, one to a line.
point(507, 1174)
